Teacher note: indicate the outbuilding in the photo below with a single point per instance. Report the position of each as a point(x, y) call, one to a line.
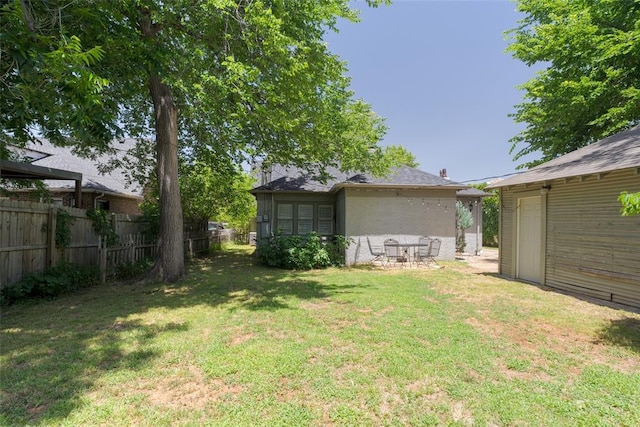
point(561, 226)
point(405, 205)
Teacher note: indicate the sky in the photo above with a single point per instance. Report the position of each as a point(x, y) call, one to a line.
point(438, 72)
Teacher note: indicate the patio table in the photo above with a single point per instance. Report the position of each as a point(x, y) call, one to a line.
point(405, 247)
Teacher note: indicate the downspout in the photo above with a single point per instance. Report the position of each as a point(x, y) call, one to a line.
point(272, 217)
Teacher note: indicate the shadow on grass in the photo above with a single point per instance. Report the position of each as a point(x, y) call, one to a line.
point(233, 278)
point(54, 351)
point(623, 332)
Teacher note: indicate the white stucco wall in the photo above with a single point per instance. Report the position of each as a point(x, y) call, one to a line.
point(404, 215)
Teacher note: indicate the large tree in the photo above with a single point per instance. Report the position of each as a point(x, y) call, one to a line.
point(590, 86)
point(223, 79)
point(398, 155)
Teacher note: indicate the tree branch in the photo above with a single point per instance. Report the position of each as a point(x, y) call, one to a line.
point(31, 25)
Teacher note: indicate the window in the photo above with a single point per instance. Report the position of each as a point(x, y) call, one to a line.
point(325, 219)
point(285, 218)
point(102, 205)
point(305, 219)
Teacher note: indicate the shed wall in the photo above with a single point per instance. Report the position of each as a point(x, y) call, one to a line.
point(590, 248)
point(507, 233)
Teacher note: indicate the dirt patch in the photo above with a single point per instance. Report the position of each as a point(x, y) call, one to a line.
point(486, 262)
point(187, 389)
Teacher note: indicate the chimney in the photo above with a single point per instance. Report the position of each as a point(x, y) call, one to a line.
point(443, 174)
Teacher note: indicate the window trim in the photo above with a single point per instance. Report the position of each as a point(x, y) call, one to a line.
point(281, 217)
point(319, 224)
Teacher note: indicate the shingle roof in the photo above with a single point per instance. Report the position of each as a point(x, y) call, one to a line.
point(619, 151)
point(92, 179)
point(294, 179)
point(472, 192)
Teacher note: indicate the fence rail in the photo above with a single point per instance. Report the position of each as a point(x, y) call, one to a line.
point(28, 240)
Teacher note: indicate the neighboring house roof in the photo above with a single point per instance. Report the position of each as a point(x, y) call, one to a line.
point(619, 151)
point(295, 180)
point(23, 170)
point(113, 182)
point(472, 192)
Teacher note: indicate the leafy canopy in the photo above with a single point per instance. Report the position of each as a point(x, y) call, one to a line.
point(398, 155)
point(47, 81)
point(590, 87)
point(216, 82)
point(250, 79)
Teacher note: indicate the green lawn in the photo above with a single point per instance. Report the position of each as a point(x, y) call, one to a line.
point(238, 344)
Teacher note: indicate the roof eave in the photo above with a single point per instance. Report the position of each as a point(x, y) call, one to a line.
point(549, 179)
point(399, 186)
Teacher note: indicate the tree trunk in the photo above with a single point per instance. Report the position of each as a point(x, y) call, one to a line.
point(169, 263)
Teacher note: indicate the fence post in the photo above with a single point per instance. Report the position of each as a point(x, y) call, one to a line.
point(114, 224)
point(51, 237)
point(132, 249)
point(102, 260)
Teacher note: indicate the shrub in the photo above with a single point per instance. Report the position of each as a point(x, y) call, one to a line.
point(464, 220)
point(103, 226)
point(490, 220)
point(63, 278)
point(131, 270)
point(301, 252)
point(64, 221)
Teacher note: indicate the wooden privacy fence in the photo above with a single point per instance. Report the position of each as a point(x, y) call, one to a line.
point(132, 248)
point(28, 239)
point(136, 247)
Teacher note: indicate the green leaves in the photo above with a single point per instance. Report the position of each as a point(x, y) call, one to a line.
point(398, 155)
point(301, 252)
point(48, 81)
point(250, 80)
point(589, 89)
point(630, 203)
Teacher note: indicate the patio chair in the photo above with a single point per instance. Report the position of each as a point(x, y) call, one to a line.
point(434, 251)
point(378, 252)
point(393, 251)
point(421, 254)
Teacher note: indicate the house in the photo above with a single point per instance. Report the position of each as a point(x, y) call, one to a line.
point(472, 198)
point(560, 222)
point(405, 205)
point(108, 191)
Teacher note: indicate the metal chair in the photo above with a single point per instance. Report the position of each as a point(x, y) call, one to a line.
point(378, 252)
point(434, 251)
point(421, 254)
point(393, 251)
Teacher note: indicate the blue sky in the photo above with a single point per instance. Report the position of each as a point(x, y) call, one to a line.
point(438, 73)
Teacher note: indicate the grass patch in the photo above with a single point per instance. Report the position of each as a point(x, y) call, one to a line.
point(239, 344)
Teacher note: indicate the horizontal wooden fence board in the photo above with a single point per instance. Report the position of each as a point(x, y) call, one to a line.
point(23, 248)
